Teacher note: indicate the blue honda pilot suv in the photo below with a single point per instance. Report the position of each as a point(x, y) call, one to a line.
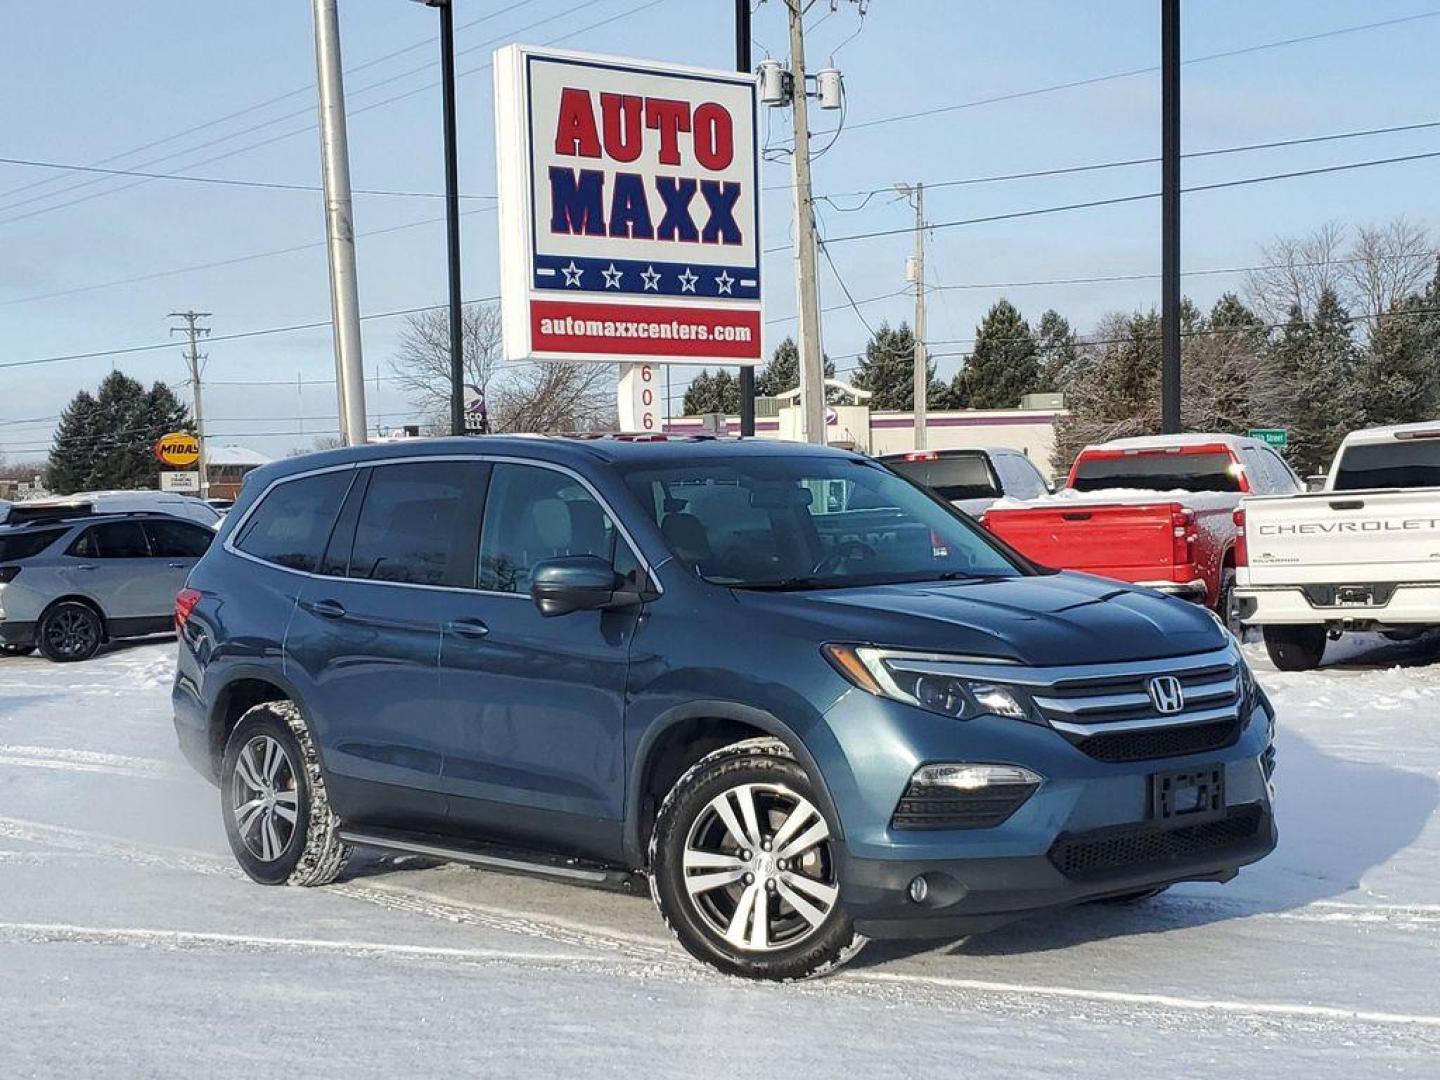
point(810, 701)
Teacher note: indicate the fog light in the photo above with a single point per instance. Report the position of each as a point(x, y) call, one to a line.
point(975, 777)
point(919, 889)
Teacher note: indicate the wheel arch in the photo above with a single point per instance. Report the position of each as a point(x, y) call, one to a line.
point(681, 736)
point(78, 598)
point(243, 689)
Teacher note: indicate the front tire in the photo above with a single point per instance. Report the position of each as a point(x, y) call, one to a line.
point(69, 632)
point(1295, 648)
point(744, 870)
point(272, 797)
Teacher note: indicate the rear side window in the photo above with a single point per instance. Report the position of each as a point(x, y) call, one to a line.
point(962, 476)
point(26, 545)
point(1022, 480)
point(534, 513)
point(420, 524)
point(292, 523)
point(1409, 464)
point(113, 540)
point(1157, 472)
point(178, 539)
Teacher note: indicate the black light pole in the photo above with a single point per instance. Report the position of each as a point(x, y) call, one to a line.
point(1170, 215)
point(742, 63)
point(452, 215)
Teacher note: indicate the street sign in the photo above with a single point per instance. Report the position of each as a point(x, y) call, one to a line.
point(185, 483)
point(1276, 437)
point(629, 210)
point(178, 449)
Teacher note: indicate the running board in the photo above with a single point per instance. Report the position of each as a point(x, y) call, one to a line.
point(494, 857)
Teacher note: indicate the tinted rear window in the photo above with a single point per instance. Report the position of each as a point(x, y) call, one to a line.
point(959, 477)
point(27, 544)
point(292, 523)
point(420, 524)
point(1158, 472)
point(1409, 464)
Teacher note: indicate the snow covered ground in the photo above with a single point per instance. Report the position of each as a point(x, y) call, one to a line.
point(130, 945)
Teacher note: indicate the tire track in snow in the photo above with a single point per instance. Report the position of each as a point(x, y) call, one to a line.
point(47, 757)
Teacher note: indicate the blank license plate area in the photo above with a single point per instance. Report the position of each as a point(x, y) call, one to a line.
point(1188, 797)
point(1355, 596)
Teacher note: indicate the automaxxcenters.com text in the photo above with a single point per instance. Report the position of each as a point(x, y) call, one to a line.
point(674, 330)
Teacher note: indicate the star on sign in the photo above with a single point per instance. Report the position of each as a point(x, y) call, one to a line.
point(723, 281)
point(688, 280)
point(651, 278)
point(612, 276)
point(572, 274)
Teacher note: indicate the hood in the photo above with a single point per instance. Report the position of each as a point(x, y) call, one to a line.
point(1047, 619)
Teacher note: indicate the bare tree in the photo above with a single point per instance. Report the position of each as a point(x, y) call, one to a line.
point(1296, 270)
point(555, 397)
point(1387, 264)
point(422, 359)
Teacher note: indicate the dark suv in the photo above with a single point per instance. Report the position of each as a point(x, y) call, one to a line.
point(808, 699)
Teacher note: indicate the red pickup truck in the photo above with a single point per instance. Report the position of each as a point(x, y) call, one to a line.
point(1159, 511)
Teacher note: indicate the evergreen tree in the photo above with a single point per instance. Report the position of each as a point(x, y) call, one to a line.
point(1312, 365)
point(105, 441)
point(782, 373)
point(1399, 376)
point(709, 393)
point(1221, 359)
point(887, 370)
point(1005, 364)
point(1057, 350)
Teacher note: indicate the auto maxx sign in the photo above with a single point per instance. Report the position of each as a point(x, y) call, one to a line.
point(629, 210)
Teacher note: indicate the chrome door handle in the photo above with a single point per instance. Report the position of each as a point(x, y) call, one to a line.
point(328, 609)
point(471, 628)
point(177, 565)
point(86, 566)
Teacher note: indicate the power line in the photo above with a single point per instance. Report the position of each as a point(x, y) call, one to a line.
point(1121, 199)
point(222, 181)
point(1133, 72)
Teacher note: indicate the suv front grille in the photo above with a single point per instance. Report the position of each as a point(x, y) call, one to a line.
point(1107, 712)
point(1139, 847)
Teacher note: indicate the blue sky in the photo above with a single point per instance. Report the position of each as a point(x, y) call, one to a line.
point(90, 80)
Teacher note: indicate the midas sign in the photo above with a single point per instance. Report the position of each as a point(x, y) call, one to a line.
point(629, 210)
point(178, 449)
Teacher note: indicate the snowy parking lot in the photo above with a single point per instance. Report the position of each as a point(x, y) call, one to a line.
point(132, 945)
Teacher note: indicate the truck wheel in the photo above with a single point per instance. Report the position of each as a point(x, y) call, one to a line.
point(272, 796)
point(744, 870)
point(1225, 605)
point(1295, 648)
point(70, 631)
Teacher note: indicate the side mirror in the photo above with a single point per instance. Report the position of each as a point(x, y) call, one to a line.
point(575, 583)
point(1315, 483)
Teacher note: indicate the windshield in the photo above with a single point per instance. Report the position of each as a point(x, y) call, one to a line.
point(1157, 472)
point(810, 522)
point(1410, 464)
point(964, 476)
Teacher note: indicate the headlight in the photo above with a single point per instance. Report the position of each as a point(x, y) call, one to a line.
point(919, 679)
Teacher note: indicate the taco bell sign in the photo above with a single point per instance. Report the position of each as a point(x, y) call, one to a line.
point(629, 210)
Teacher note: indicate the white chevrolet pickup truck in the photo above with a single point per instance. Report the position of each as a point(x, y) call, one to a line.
point(1363, 553)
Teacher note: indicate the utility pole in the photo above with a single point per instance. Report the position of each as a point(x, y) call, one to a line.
point(339, 224)
point(194, 330)
point(1170, 215)
point(916, 274)
point(812, 370)
point(747, 373)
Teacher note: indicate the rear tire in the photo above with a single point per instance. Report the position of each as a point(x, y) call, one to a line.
point(69, 632)
point(273, 800)
point(1295, 648)
point(1225, 605)
point(742, 833)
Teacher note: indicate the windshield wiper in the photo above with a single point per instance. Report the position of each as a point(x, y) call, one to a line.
point(791, 584)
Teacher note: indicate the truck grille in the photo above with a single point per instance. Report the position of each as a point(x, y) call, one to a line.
point(1138, 847)
point(1107, 710)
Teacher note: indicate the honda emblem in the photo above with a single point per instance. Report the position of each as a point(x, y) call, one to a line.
point(1167, 695)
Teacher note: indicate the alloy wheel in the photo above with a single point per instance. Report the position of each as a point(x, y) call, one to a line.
point(758, 868)
point(71, 632)
point(264, 798)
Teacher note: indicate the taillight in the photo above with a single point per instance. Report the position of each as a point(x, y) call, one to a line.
point(922, 455)
point(1242, 550)
point(185, 601)
point(1182, 529)
point(8, 574)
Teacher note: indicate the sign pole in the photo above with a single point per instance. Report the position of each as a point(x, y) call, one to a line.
point(742, 63)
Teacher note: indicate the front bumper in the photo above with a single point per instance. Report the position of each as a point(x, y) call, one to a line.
point(978, 879)
point(17, 633)
point(1409, 605)
point(1196, 590)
